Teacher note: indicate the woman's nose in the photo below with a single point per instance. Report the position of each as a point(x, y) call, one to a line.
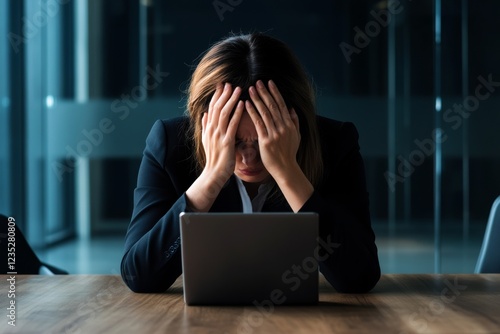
point(249, 152)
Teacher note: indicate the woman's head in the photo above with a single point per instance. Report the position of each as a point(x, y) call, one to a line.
point(241, 60)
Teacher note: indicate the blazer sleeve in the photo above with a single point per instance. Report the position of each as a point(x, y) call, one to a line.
point(152, 255)
point(349, 259)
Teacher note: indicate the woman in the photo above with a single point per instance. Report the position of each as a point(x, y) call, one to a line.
point(253, 143)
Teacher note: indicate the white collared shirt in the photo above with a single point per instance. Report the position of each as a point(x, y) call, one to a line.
point(257, 203)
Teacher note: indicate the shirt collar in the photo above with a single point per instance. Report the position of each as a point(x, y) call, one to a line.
point(258, 201)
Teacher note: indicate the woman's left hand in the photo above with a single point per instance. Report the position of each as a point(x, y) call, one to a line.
point(277, 128)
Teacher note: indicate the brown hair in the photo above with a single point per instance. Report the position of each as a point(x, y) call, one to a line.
point(242, 60)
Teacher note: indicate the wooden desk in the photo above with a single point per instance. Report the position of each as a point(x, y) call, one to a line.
point(399, 304)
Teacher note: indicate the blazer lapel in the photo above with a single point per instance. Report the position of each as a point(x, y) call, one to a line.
point(229, 199)
point(276, 204)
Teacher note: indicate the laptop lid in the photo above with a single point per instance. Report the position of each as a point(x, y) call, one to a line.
point(238, 258)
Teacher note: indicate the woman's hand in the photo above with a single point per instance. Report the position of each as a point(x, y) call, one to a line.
point(277, 128)
point(279, 139)
point(218, 137)
point(219, 130)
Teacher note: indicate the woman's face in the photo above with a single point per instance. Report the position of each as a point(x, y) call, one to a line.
point(249, 166)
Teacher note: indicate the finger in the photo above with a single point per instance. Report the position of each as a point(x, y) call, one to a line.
point(295, 119)
point(218, 92)
point(226, 111)
point(273, 89)
point(220, 103)
point(270, 102)
point(235, 120)
point(261, 109)
point(204, 120)
point(260, 127)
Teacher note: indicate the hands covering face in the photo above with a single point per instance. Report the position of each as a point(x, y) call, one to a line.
point(219, 130)
point(277, 128)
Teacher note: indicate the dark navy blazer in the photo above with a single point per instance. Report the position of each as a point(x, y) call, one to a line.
point(152, 256)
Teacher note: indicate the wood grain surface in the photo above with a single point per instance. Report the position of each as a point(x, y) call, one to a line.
point(399, 304)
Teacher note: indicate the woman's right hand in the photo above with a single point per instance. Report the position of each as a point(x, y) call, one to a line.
point(218, 137)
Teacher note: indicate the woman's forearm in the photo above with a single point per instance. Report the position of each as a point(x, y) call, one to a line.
point(202, 193)
point(295, 187)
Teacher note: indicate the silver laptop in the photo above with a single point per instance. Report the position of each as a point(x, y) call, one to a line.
point(258, 258)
